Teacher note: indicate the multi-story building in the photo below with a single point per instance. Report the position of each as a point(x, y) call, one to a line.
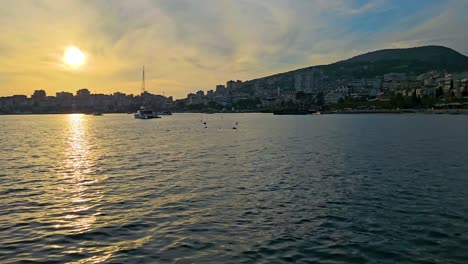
point(83, 92)
point(64, 95)
point(452, 83)
point(220, 89)
point(448, 84)
point(233, 85)
point(426, 91)
point(392, 81)
point(464, 87)
point(64, 101)
point(210, 94)
point(310, 81)
point(39, 95)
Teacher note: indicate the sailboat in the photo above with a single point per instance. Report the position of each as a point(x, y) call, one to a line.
point(143, 112)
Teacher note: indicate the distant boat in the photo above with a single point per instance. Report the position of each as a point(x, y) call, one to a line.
point(97, 114)
point(165, 113)
point(144, 113)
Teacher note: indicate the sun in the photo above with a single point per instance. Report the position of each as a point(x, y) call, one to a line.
point(73, 57)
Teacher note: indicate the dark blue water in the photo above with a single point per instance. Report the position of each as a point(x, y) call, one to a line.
point(279, 189)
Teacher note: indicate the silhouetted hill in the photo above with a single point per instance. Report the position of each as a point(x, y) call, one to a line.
point(431, 54)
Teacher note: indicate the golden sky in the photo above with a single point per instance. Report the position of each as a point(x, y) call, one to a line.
point(190, 45)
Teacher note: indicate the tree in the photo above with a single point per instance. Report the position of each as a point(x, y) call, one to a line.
point(415, 100)
point(320, 99)
point(439, 92)
point(301, 95)
point(215, 105)
point(465, 92)
point(397, 101)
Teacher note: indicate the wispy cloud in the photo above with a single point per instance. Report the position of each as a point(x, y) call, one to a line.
point(190, 45)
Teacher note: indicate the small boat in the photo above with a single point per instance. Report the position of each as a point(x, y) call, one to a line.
point(144, 113)
point(165, 113)
point(97, 114)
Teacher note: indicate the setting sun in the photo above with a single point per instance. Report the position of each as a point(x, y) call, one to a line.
point(73, 57)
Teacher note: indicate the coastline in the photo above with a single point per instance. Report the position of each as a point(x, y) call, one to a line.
point(335, 112)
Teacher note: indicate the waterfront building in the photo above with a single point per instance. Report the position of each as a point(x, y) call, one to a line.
point(220, 89)
point(210, 94)
point(64, 95)
point(39, 95)
point(233, 85)
point(83, 92)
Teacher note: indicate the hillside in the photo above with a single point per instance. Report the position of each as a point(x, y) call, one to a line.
point(429, 54)
point(411, 60)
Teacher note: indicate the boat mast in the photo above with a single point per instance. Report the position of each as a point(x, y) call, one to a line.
point(143, 81)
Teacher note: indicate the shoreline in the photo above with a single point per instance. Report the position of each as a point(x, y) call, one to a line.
point(335, 112)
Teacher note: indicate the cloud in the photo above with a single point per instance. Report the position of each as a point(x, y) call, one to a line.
point(448, 27)
point(191, 45)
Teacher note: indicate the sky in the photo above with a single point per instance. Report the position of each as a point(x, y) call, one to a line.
point(191, 45)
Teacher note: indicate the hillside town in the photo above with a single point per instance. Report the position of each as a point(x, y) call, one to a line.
point(313, 89)
point(308, 88)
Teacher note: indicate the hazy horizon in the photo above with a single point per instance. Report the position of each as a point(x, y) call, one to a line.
point(189, 46)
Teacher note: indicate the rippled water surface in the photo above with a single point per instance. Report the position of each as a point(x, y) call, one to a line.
point(279, 189)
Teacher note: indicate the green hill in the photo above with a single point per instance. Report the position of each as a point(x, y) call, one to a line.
point(429, 54)
point(413, 61)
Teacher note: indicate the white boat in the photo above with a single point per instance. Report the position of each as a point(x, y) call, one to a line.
point(144, 113)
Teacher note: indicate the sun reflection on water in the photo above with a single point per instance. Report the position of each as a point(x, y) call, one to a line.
point(79, 152)
point(78, 168)
point(81, 199)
